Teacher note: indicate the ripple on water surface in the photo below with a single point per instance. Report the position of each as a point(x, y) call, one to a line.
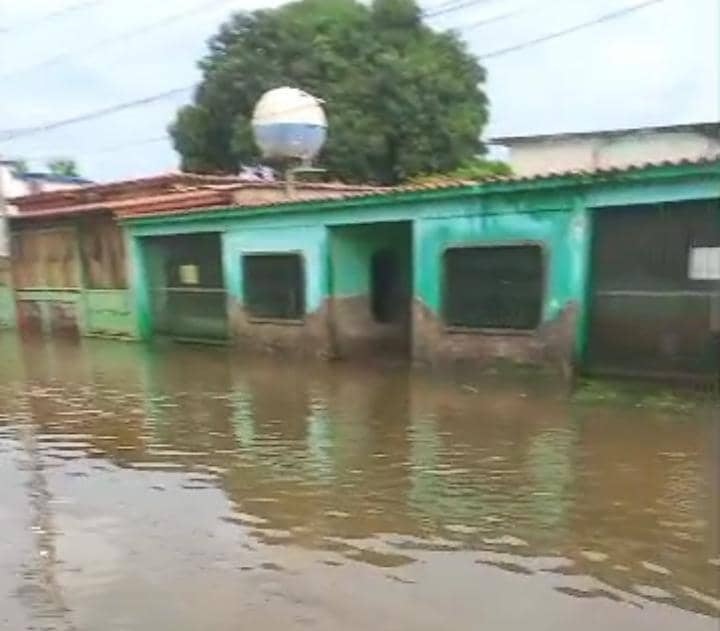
point(388, 470)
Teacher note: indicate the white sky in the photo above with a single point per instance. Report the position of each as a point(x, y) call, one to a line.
point(659, 65)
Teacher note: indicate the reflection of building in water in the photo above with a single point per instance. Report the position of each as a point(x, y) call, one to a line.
point(242, 419)
point(490, 461)
point(550, 463)
point(320, 430)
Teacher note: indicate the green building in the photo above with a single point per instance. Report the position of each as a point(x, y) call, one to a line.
point(610, 271)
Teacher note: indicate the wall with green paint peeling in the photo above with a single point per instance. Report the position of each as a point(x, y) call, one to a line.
point(108, 312)
point(309, 241)
point(553, 213)
point(561, 233)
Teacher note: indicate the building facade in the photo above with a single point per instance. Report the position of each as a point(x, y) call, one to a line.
point(610, 271)
point(618, 148)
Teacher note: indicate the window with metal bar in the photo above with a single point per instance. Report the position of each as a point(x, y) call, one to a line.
point(274, 286)
point(493, 287)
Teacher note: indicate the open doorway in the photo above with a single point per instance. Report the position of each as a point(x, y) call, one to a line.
point(371, 289)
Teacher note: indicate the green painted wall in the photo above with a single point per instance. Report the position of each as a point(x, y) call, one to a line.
point(352, 248)
point(309, 241)
point(552, 212)
point(108, 312)
point(560, 233)
point(101, 312)
point(7, 308)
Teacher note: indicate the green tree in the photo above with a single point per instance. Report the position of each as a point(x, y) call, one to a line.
point(63, 166)
point(401, 99)
point(21, 166)
point(472, 170)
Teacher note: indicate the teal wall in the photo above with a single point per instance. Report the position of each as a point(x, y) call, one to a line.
point(352, 249)
point(309, 241)
point(553, 213)
point(108, 312)
point(558, 232)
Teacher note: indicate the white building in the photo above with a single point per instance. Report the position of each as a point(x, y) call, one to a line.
point(15, 182)
point(534, 155)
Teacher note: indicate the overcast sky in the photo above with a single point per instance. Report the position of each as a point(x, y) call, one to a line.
point(659, 65)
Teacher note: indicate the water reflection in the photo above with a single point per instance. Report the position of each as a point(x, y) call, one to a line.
point(380, 467)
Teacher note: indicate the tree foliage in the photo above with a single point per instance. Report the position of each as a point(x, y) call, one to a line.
point(474, 170)
point(63, 166)
point(21, 166)
point(401, 99)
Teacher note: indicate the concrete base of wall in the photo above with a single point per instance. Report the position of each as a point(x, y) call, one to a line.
point(100, 313)
point(551, 346)
point(309, 336)
point(357, 335)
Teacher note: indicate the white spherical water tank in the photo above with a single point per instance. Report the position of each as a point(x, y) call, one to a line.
point(289, 123)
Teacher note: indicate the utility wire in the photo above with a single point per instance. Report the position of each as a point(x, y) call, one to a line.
point(567, 31)
point(500, 18)
point(29, 131)
point(16, 133)
point(451, 7)
point(134, 32)
point(12, 134)
point(101, 150)
point(86, 4)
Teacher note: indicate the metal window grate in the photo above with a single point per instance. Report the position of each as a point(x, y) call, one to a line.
point(273, 286)
point(494, 287)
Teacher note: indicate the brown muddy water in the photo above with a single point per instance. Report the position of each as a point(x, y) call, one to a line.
point(186, 489)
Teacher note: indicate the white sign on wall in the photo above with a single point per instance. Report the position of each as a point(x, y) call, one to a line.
point(704, 263)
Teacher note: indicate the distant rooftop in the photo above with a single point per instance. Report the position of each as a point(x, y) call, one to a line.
point(710, 128)
point(36, 176)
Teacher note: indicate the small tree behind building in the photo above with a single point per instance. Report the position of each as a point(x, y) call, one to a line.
point(63, 166)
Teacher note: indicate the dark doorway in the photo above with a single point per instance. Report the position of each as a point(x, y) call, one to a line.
point(371, 278)
point(387, 290)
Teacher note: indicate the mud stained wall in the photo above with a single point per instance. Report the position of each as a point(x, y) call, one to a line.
point(358, 329)
point(70, 277)
point(46, 258)
point(106, 300)
point(102, 249)
point(309, 335)
point(562, 234)
point(648, 316)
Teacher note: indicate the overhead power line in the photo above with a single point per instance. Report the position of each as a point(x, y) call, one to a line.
point(27, 131)
point(567, 31)
point(451, 7)
point(99, 151)
point(121, 37)
point(12, 134)
point(501, 17)
point(74, 8)
point(30, 131)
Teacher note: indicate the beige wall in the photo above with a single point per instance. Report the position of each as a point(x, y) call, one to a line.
point(532, 157)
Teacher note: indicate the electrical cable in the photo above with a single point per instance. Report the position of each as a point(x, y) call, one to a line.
point(21, 132)
point(567, 31)
point(86, 4)
point(134, 32)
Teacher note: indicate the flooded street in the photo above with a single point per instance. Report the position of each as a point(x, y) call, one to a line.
point(185, 489)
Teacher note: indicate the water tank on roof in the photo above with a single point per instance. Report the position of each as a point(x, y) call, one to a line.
point(289, 123)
